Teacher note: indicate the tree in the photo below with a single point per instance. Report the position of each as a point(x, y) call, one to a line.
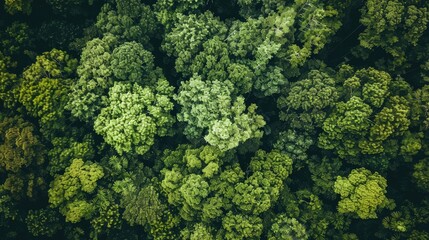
point(186, 39)
point(295, 144)
point(143, 206)
point(15, 6)
point(43, 222)
point(421, 170)
point(362, 193)
point(21, 159)
point(68, 190)
point(286, 229)
point(209, 105)
point(8, 83)
point(395, 26)
point(306, 102)
point(135, 115)
point(45, 86)
point(240, 226)
point(85, 100)
point(16, 38)
point(367, 127)
point(131, 62)
point(127, 20)
point(65, 149)
point(198, 231)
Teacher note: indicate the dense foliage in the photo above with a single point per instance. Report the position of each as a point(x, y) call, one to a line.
point(192, 119)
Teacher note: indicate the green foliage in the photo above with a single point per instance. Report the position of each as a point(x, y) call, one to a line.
point(15, 6)
point(67, 190)
point(8, 83)
point(43, 222)
point(240, 226)
point(188, 35)
point(367, 127)
point(286, 229)
point(135, 115)
point(143, 206)
point(270, 170)
point(394, 26)
point(16, 38)
point(131, 62)
point(107, 214)
point(324, 173)
point(85, 100)
point(65, 149)
point(45, 85)
point(302, 119)
point(22, 156)
point(306, 101)
point(421, 174)
point(130, 21)
point(8, 210)
point(316, 92)
point(190, 181)
point(362, 192)
point(198, 231)
point(317, 24)
point(210, 105)
point(295, 145)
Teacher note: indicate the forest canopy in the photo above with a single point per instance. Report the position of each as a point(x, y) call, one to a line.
point(192, 119)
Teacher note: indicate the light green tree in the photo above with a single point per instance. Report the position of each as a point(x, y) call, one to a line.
point(362, 193)
point(210, 106)
point(135, 115)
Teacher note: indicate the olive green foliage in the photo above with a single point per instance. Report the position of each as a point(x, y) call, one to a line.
point(196, 181)
point(131, 62)
point(420, 174)
point(362, 192)
point(8, 83)
point(324, 173)
point(21, 159)
point(188, 35)
point(143, 207)
point(65, 149)
point(15, 38)
point(198, 231)
point(43, 222)
point(68, 190)
point(17, 6)
point(240, 226)
point(394, 26)
point(45, 85)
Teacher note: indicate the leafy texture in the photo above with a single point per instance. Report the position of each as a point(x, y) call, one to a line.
point(135, 115)
point(209, 105)
point(362, 193)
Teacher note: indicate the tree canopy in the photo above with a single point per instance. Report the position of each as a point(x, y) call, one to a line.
point(192, 119)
